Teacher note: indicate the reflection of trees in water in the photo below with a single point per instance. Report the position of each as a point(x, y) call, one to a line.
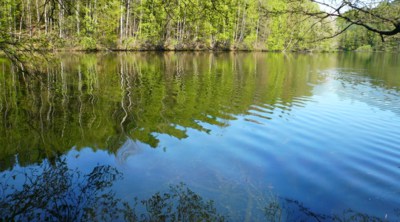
point(57, 193)
point(179, 204)
point(292, 210)
point(380, 69)
point(355, 85)
point(100, 101)
point(53, 192)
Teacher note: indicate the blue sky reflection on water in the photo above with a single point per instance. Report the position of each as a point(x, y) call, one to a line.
point(278, 156)
point(328, 140)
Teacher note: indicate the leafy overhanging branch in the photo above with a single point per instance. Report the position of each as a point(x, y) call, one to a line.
point(381, 18)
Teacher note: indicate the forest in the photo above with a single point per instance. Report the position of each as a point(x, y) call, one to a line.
point(270, 25)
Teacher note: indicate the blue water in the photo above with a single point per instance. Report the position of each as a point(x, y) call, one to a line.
point(325, 137)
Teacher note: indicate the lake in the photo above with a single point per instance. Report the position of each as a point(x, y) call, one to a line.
point(199, 136)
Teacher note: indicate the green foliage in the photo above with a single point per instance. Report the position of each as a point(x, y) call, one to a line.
point(365, 48)
point(249, 41)
point(88, 43)
point(182, 24)
point(358, 38)
point(156, 24)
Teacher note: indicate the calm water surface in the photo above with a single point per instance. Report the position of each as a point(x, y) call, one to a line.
point(202, 136)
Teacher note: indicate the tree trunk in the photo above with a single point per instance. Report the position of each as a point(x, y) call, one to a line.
point(45, 19)
point(20, 25)
point(78, 29)
point(61, 17)
point(127, 17)
point(236, 35)
point(121, 32)
point(38, 16)
point(243, 25)
point(29, 17)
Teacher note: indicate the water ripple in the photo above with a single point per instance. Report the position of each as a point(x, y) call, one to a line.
point(341, 141)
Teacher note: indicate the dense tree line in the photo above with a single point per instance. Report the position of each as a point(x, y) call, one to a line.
point(181, 24)
point(158, 24)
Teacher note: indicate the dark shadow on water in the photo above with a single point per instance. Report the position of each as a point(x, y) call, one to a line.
point(54, 192)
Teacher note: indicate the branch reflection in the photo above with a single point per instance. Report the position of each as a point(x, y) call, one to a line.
point(54, 192)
